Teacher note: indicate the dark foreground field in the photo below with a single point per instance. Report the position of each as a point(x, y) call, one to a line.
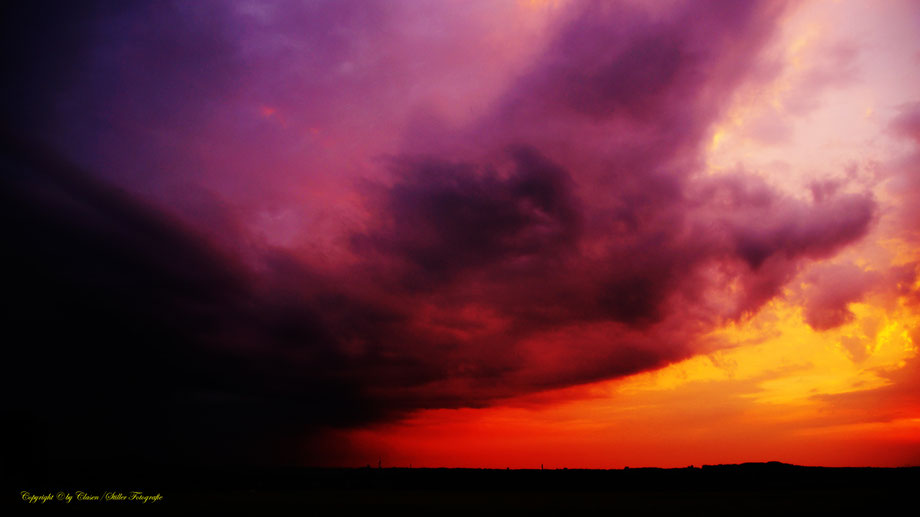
point(753, 488)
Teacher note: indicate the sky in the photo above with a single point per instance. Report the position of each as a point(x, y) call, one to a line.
point(462, 234)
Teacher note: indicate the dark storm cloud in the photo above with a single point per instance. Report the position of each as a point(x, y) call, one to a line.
point(123, 323)
point(444, 218)
point(118, 316)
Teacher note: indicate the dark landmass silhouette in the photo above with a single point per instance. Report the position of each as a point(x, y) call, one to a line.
point(748, 488)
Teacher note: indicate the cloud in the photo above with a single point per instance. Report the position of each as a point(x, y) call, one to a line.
point(900, 180)
point(834, 287)
point(151, 339)
point(907, 122)
point(444, 218)
point(566, 235)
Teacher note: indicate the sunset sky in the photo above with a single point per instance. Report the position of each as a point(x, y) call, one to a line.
point(464, 233)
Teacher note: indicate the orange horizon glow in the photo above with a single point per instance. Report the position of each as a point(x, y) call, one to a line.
point(771, 401)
